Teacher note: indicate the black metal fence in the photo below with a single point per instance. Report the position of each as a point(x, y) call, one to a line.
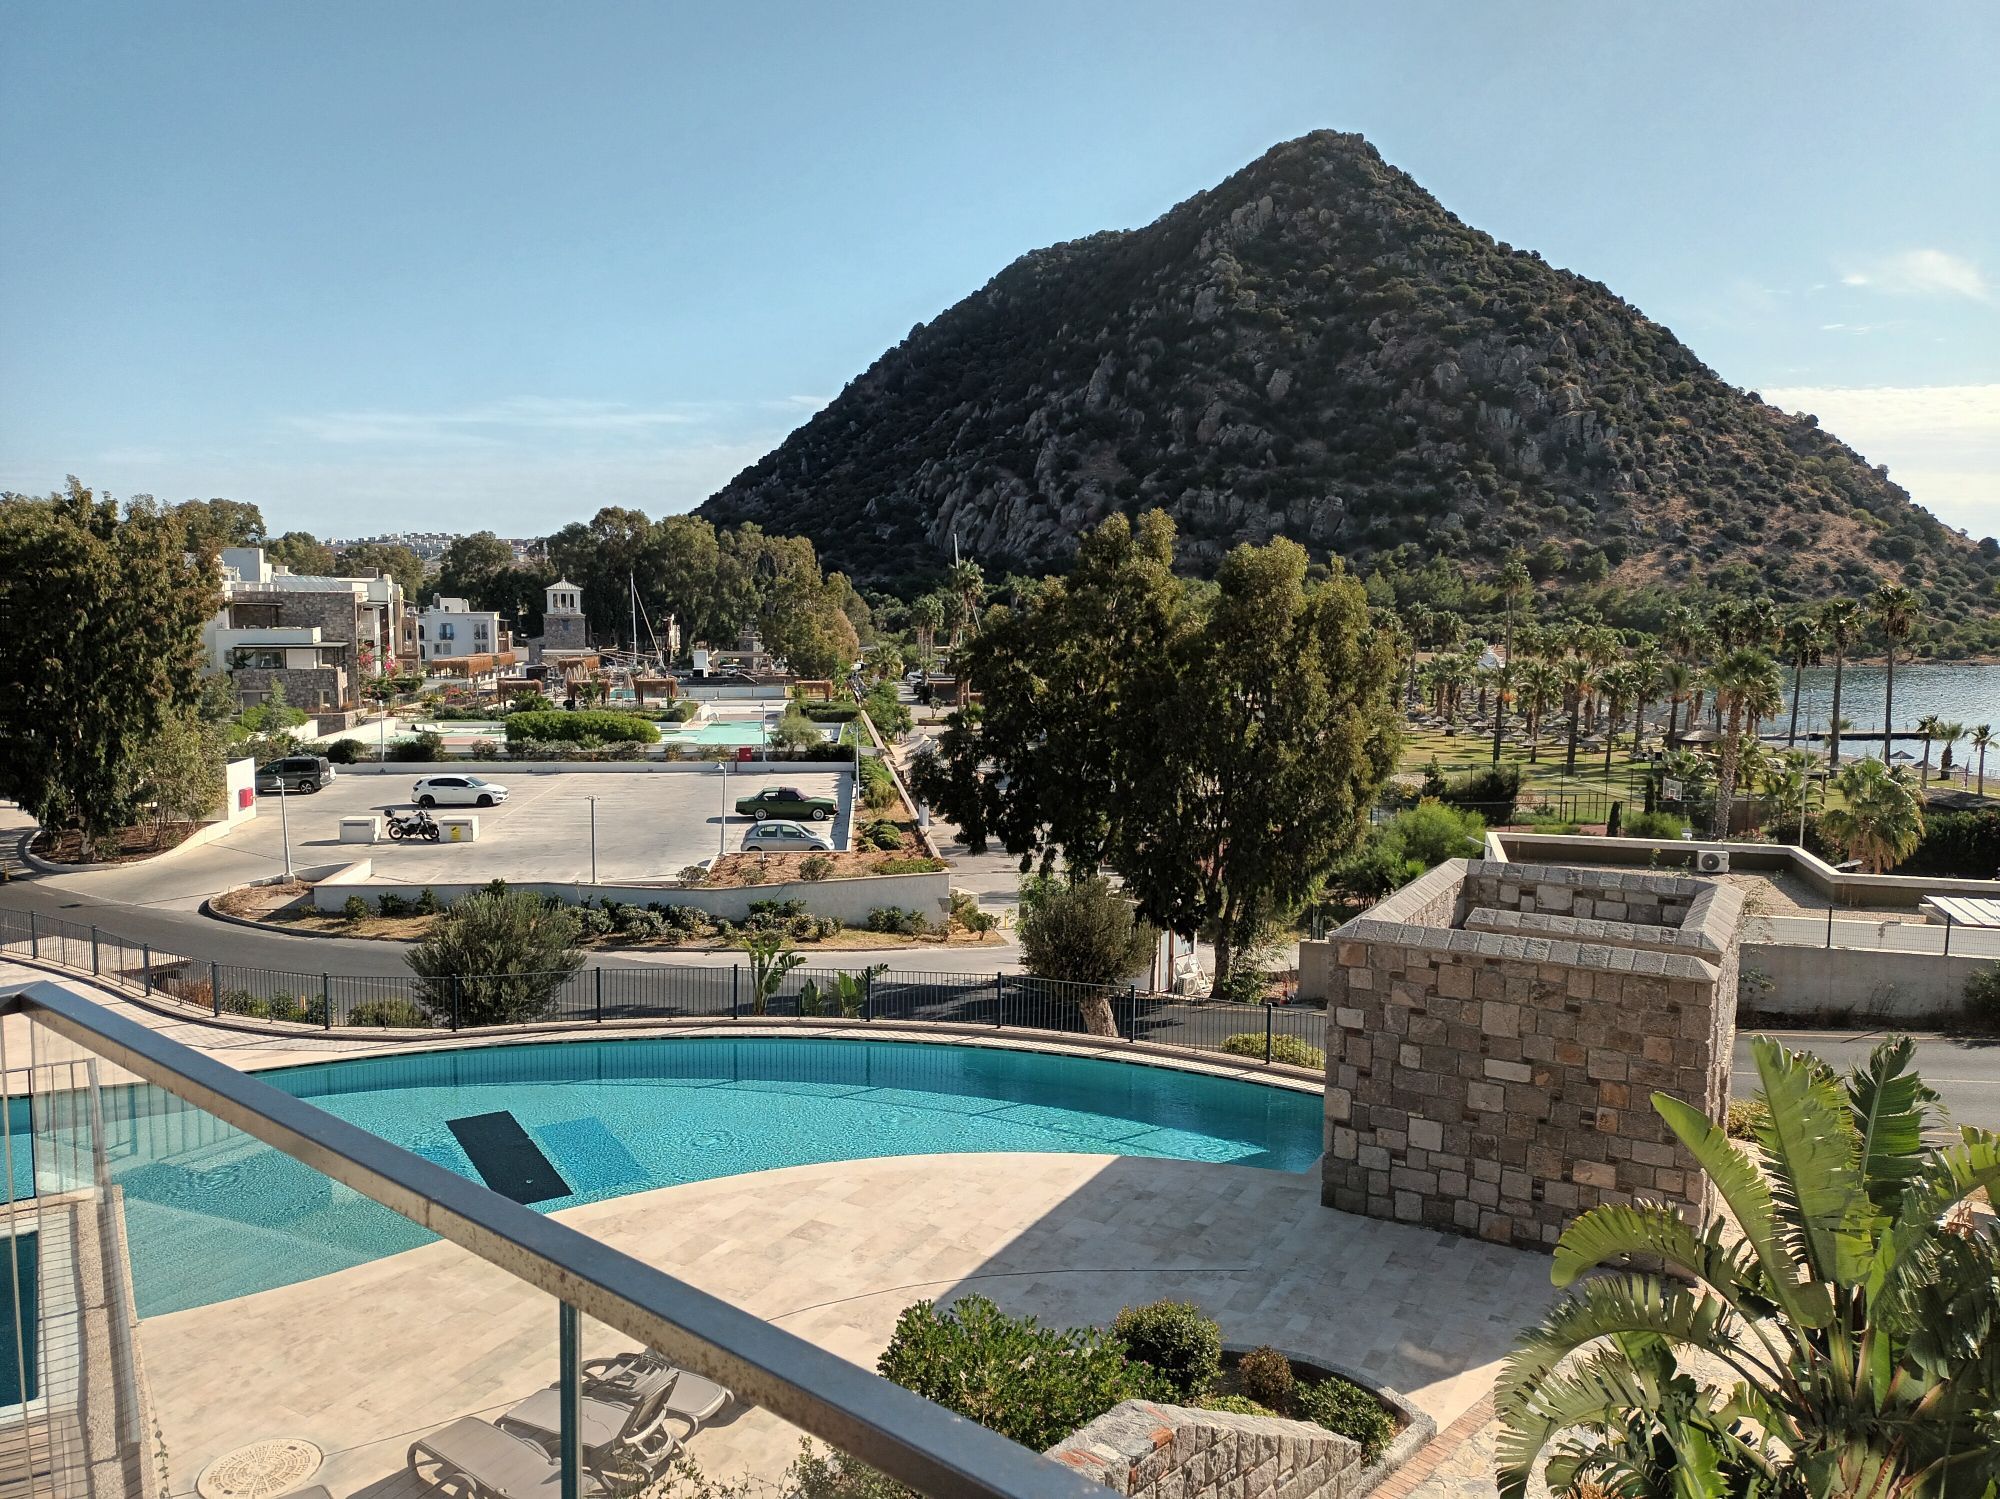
point(471, 1002)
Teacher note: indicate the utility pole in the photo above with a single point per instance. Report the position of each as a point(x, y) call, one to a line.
point(722, 822)
point(284, 826)
point(593, 838)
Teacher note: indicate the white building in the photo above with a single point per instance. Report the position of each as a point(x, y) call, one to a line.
point(451, 629)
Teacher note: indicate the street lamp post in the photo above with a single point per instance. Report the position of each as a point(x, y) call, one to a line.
point(593, 838)
point(722, 821)
point(284, 827)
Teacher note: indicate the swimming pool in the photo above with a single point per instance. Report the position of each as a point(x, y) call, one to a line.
point(736, 731)
point(212, 1214)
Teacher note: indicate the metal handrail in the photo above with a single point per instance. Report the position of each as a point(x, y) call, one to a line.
point(889, 1428)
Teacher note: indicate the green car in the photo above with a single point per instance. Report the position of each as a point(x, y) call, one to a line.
point(787, 802)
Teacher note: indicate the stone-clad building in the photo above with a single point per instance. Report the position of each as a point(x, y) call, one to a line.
point(1495, 1034)
point(319, 637)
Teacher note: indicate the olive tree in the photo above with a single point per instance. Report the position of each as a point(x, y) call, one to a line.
point(497, 957)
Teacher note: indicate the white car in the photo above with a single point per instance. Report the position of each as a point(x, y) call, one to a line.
point(785, 838)
point(457, 791)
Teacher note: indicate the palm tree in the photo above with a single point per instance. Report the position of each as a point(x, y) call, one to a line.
point(1745, 680)
point(1514, 586)
point(1801, 640)
point(1895, 610)
point(1646, 665)
point(1677, 678)
point(1541, 686)
point(1948, 735)
point(968, 584)
point(1928, 727)
point(1840, 621)
point(1982, 736)
point(927, 617)
point(1576, 679)
point(1883, 821)
point(1617, 687)
point(1853, 1320)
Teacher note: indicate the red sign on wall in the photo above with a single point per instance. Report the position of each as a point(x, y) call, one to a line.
point(246, 796)
point(742, 751)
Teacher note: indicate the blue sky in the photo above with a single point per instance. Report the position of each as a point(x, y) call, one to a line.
point(380, 266)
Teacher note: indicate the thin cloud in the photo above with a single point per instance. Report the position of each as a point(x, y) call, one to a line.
point(493, 421)
point(1922, 273)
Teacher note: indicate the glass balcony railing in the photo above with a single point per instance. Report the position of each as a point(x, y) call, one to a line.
point(209, 1286)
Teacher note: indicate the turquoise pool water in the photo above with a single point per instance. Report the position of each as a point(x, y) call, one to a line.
point(211, 1214)
point(20, 1318)
point(720, 731)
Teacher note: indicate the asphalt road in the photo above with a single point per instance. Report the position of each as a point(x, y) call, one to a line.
point(1964, 1069)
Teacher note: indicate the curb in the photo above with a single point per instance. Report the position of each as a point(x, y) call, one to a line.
point(40, 865)
point(1415, 1429)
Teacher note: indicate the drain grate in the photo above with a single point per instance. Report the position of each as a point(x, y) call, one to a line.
point(263, 1470)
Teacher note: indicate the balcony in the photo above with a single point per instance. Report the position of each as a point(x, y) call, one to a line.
point(150, 1187)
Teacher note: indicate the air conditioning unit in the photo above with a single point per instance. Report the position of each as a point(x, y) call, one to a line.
point(1712, 861)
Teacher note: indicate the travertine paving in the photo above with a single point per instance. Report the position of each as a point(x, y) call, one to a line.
point(361, 1361)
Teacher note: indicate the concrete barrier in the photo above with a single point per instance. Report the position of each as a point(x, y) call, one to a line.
point(360, 829)
point(846, 900)
point(1853, 987)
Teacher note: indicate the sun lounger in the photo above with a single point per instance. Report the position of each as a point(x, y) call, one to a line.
point(634, 1378)
point(615, 1438)
point(474, 1459)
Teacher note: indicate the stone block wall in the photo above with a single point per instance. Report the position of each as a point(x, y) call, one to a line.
point(1498, 1082)
point(1151, 1451)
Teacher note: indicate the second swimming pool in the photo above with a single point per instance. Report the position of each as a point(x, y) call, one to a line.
point(212, 1214)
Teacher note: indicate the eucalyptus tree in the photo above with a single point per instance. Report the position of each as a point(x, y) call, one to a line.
point(1852, 1323)
point(1894, 610)
point(1801, 638)
point(1840, 622)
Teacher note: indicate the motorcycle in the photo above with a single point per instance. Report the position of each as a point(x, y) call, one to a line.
point(415, 824)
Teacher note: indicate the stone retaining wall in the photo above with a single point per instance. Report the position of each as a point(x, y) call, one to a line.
point(1150, 1451)
point(1498, 1083)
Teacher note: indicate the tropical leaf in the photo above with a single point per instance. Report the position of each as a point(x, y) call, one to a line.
point(1809, 1150)
point(1749, 1197)
point(1618, 1231)
point(1890, 1105)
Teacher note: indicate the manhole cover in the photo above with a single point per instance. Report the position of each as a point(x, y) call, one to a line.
point(262, 1470)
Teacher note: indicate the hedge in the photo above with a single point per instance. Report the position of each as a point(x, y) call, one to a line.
point(583, 727)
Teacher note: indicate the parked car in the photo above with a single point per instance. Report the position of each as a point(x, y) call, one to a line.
point(457, 791)
point(787, 802)
point(785, 838)
point(294, 773)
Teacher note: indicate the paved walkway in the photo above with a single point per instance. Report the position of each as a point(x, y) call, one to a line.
point(361, 1361)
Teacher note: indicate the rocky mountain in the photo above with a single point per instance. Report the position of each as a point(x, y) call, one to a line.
point(1317, 349)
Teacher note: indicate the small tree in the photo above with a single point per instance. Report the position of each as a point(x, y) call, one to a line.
point(499, 957)
point(178, 771)
point(1883, 821)
point(1083, 932)
point(771, 958)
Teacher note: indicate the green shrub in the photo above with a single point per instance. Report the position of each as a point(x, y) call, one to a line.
point(355, 908)
point(1342, 1406)
point(1290, 1050)
point(884, 835)
point(898, 920)
point(1744, 1115)
point(343, 751)
point(887, 711)
point(825, 710)
point(496, 958)
point(423, 748)
point(587, 727)
point(1081, 931)
point(1235, 1405)
point(1490, 792)
point(913, 864)
point(1654, 825)
point(1982, 997)
point(1177, 1339)
point(878, 786)
point(794, 731)
point(398, 1013)
point(427, 902)
point(1266, 1377)
point(483, 749)
point(1032, 1384)
point(692, 875)
point(815, 867)
point(392, 905)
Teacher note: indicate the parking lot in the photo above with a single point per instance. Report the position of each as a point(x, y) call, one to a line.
point(649, 826)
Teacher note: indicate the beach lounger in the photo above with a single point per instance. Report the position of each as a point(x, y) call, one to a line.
point(474, 1459)
point(633, 1378)
point(615, 1438)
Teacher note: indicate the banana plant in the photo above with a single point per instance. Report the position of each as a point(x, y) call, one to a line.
point(1858, 1318)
